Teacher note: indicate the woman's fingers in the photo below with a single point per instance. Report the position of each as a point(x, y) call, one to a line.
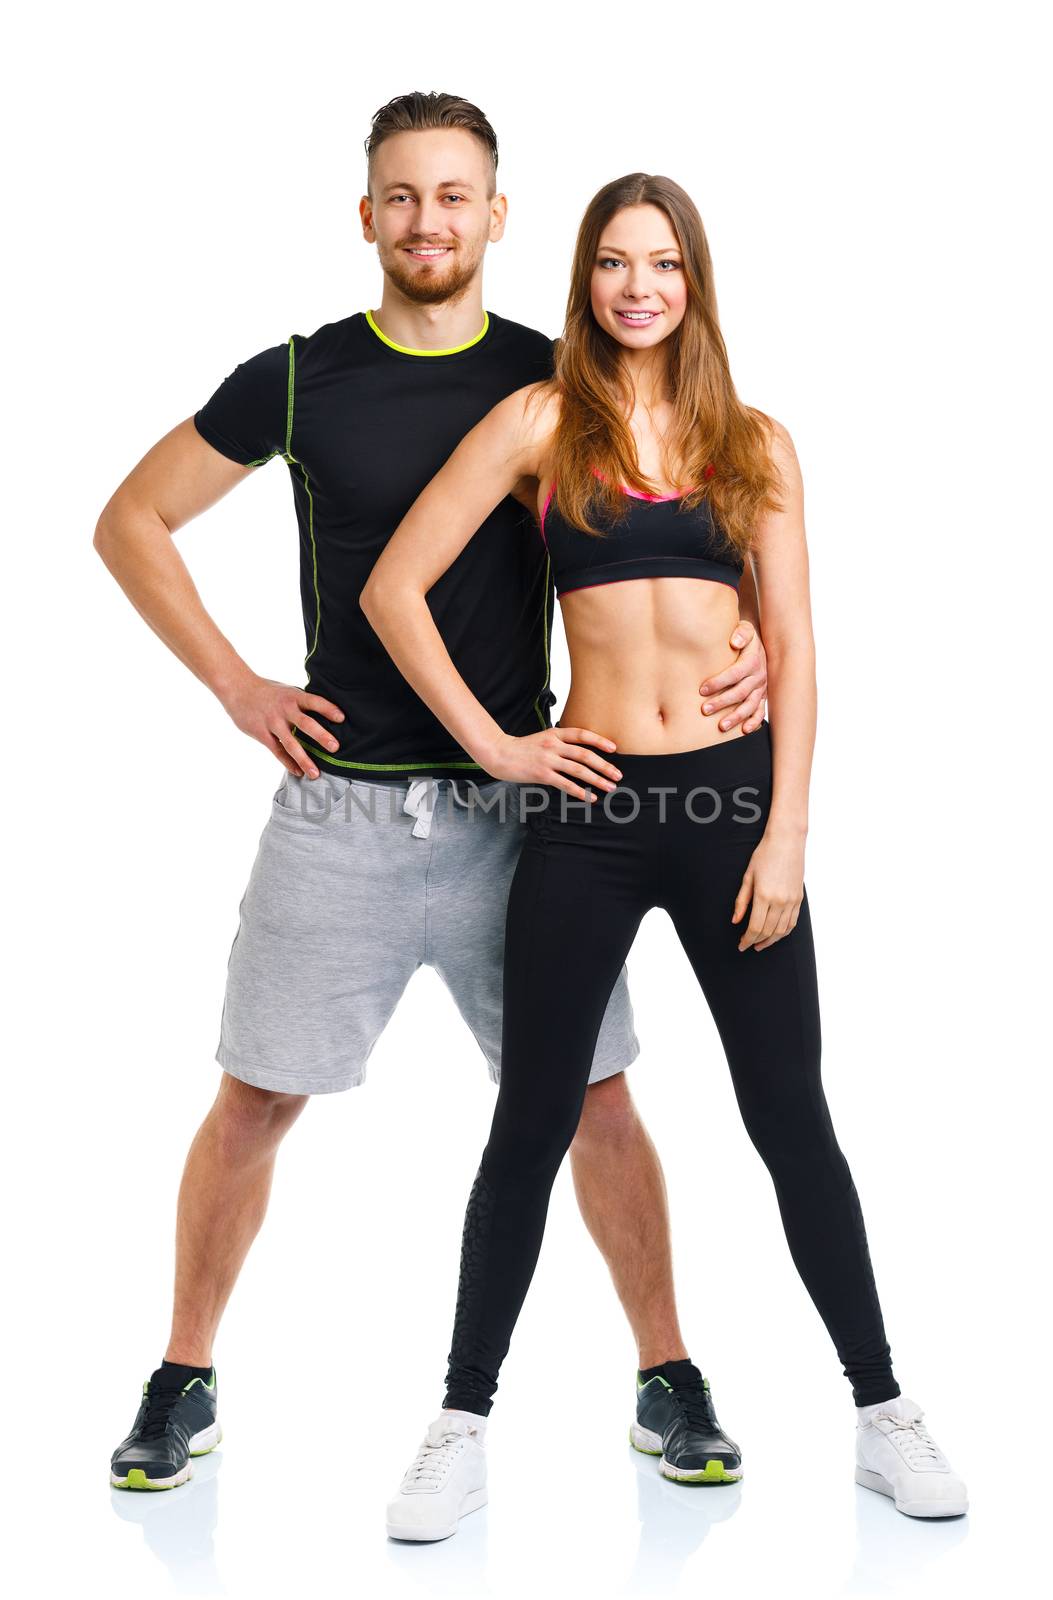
point(764, 920)
point(780, 920)
point(755, 926)
point(572, 747)
point(782, 928)
point(556, 781)
point(742, 899)
point(585, 736)
point(577, 770)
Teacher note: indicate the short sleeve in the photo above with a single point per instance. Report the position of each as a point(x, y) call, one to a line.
point(246, 417)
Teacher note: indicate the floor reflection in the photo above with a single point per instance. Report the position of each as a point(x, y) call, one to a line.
point(179, 1525)
point(675, 1520)
point(891, 1547)
point(447, 1566)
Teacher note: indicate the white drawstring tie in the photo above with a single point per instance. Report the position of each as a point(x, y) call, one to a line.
point(422, 796)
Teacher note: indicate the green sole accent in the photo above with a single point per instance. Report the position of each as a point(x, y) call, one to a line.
point(137, 1479)
point(640, 1447)
point(714, 1472)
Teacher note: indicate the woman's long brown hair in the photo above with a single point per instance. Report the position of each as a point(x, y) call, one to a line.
point(717, 445)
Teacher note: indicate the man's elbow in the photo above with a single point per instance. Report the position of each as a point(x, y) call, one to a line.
point(104, 538)
point(109, 528)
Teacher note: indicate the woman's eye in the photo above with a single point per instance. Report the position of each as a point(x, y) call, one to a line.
point(668, 263)
point(608, 261)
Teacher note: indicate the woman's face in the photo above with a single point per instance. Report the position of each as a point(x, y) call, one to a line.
point(639, 294)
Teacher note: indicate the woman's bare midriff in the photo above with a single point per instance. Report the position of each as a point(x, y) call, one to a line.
point(639, 651)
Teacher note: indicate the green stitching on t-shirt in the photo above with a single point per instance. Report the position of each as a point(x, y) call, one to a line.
point(290, 397)
point(292, 461)
point(262, 462)
point(395, 766)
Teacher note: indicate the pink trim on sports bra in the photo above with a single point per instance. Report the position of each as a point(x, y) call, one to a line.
point(544, 509)
point(637, 494)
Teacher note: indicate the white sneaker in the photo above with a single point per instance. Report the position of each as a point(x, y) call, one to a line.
point(445, 1482)
point(897, 1456)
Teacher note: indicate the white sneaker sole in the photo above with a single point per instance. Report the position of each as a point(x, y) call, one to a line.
point(911, 1508)
point(421, 1535)
point(650, 1444)
point(200, 1445)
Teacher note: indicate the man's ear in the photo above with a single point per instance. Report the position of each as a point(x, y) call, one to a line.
point(365, 212)
point(498, 216)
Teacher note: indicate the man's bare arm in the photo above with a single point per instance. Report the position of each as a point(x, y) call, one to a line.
point(178, 479)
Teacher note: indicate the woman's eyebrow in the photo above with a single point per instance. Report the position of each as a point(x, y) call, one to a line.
point(614, 250)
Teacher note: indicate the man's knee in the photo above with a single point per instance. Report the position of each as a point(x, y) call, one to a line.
point(247, 1115)
point(608, 1115)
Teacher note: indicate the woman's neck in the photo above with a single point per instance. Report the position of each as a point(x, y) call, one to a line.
point(648, 374)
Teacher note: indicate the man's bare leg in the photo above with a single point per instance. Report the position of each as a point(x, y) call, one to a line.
point(222, 1202)
point(621, 1191)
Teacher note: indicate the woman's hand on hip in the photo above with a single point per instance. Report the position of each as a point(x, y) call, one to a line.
point(774, 886)
point(555, 756)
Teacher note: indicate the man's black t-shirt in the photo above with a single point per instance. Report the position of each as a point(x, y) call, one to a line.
point(363, 424)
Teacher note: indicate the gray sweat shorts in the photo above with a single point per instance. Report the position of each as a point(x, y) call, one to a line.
point(355, 885)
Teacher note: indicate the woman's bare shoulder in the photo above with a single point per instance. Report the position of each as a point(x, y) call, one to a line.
point(783, 451)
point(537, 406)
point(523, 424)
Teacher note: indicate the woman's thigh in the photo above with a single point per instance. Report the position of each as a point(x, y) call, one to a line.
point(573, 911)
point(764, 1002)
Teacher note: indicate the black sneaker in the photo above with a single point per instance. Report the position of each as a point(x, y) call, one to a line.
point(173, 1423)
point(675, 1420)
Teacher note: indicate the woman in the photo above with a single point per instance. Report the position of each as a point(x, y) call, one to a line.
point(655, 485)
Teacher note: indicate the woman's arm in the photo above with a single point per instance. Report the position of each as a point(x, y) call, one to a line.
point(490, 461)
point(774, 881)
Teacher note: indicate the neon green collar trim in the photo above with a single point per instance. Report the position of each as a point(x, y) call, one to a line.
point(405, 350)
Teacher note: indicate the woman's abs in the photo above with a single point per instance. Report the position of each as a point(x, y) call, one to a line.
point(639, 651)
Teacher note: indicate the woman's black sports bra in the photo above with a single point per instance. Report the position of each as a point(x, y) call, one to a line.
point(655, 540)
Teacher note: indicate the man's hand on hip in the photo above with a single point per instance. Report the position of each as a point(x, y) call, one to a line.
point(741, 690)
point(274, 713)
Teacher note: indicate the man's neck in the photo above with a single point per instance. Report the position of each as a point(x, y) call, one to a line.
point(445, 326)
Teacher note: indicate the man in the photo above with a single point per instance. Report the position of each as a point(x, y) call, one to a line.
point(396, 868)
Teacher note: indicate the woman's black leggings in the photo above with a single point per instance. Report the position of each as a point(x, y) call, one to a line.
point(677, 833)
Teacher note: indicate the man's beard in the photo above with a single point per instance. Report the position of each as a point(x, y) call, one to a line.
point(458, 270)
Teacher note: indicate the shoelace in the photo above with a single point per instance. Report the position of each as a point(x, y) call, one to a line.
point(695, 1405)
point(433, 1461)
point(159, 1403)
point(913, 1439)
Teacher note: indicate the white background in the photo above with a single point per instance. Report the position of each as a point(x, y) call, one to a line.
point(181, 191)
